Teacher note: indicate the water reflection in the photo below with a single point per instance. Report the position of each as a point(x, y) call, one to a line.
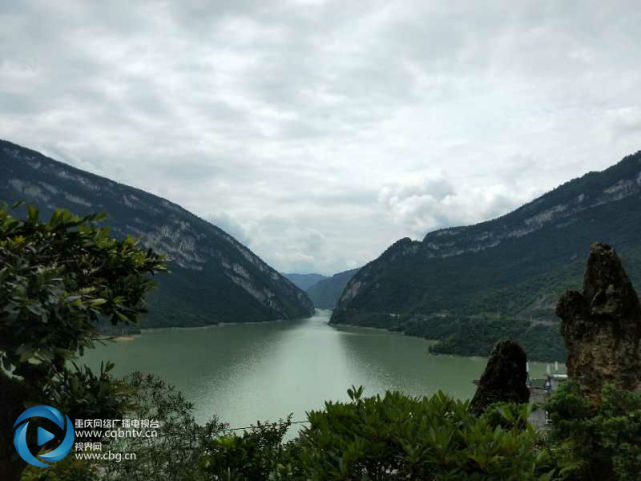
point(398, 362)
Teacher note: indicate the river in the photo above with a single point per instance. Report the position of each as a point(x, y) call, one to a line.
point(264, 371)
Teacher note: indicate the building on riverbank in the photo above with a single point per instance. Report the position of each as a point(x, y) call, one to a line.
point(540, 392)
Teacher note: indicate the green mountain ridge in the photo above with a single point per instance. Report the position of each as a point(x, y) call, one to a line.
point(468, 286)
point(214, 278)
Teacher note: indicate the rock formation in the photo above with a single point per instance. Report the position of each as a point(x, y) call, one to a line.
point(602, 325)
point(504, 379)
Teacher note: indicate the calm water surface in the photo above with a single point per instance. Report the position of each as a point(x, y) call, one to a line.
point(265, 371)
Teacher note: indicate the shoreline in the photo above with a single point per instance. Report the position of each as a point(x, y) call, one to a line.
point(120, 338)
point(133, 336)
point(212, 326)
point(226, 324)
point(431, 342)
point(382, 329)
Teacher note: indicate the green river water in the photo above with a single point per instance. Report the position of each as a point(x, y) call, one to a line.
point(264, 371)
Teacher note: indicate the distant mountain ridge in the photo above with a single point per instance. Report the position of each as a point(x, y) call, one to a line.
point(214, 277)
point(325, 293)
point(509, 269)
point(304, 281)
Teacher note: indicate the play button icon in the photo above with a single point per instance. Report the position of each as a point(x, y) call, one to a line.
point(44, 436)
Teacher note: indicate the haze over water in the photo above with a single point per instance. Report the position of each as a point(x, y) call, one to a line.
point(264, 371)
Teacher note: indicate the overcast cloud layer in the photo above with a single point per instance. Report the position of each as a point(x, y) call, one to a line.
point(319, 132)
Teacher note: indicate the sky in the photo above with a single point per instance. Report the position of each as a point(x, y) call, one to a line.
point(318, 132)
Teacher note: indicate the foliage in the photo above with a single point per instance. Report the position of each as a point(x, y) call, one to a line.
point(58, 279)
point(81, 394)
point(256, 454)
point(69, 469)
point(596, 439)
point(377, 438)
point(175, 453)
point(400, 437)
point(385, 438)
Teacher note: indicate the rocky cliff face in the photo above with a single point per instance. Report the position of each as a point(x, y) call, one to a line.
point(601, 325)
point(560, 208)
point(214, 277)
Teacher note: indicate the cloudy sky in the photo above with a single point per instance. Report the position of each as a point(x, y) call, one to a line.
point(318, 131)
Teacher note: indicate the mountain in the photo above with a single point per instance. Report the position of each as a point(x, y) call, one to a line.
point(305, 281)
point(469, 286)
point(325, 293)
point(214, 278)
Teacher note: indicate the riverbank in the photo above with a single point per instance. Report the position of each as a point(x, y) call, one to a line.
point(466, 336)
point(136, 331)
point(120, 338)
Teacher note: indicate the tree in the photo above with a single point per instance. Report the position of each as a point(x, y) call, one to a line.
point(257, 454)
point(175, 453)
point(596, 439)
point(58, 279)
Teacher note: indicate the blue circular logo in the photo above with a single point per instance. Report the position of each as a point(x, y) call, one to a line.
point(43, 436)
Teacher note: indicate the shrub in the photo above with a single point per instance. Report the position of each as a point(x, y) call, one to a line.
point(437, 438)
point(253, 455)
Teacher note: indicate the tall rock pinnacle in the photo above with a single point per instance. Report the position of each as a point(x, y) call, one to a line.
point(602, 325)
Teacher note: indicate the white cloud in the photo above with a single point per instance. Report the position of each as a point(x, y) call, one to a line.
point(420, 206)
